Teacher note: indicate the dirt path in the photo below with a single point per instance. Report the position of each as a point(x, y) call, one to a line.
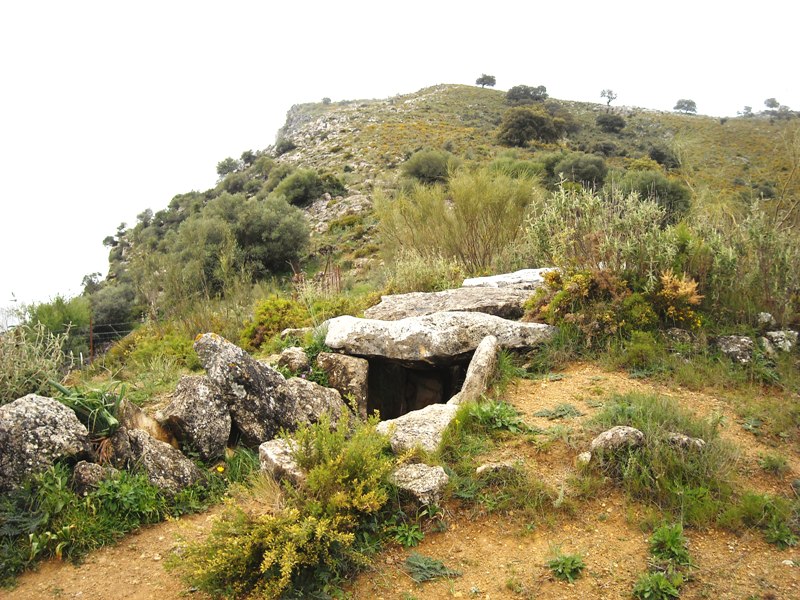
point(501, 556)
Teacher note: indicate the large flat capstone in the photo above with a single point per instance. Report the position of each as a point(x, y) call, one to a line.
point(528, 279)
point(434, 339)
point(506, 302)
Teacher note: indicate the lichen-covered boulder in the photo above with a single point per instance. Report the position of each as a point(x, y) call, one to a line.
point(423, 482)
point(738, 348)
point(681, 440)
point(309, 401)
point(528, 279)
point(436, 339)
point(502, 302)
point(423, 428)
point(617, 437)
point(35, 431)
point(783, 340)
point(198, 416)
point(482, 368)
point(87, 476)
point(166, 467)
point(349, 375)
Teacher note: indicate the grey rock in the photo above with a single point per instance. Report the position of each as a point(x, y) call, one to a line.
point(297, 333)
point(423, 482)
point(783, 340)
point(198, 416)
point(86, 476)
point(256, 394)
point(423, 428)
point(166, 467)
point(119, 449)
point(309, 401)
point(676, 335)
point(767, 347)
point(434, 339)
point(681, 440)
point(349, 375)
point(584, 458)
point(502, 302)
point(738, 348)
point(295, 359)
point(765, 321)
point(528, 279)
point(496, 467)
point(482, 368)
point(617, 437)
point(133, 417)
point(277, 459)
point(35, 431)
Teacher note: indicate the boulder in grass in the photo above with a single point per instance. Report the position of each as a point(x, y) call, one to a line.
point(617, 437)
point(423, 482)
point(738, 348)
point(276, 457)
point(166, 467)
point(420, 428)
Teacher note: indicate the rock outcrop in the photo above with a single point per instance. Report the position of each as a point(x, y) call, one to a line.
point(198, 416)
point(87, 476)
point(166, 467)
point(783, 340)
point(35, 431)
point(505, 302)
point(423, 428)
point(738, 348)
point(295, 359)
point(349, 375)
point(434, 339)
point(309, 401)
point(528, 279)
point(423, 482)
point(482, 368)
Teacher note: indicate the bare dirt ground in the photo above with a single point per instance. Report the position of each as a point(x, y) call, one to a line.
point(503, 556)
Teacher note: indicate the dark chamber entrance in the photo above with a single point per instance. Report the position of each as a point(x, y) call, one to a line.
point(396, 388)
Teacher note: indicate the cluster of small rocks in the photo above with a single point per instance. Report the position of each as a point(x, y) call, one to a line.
point(623, 437)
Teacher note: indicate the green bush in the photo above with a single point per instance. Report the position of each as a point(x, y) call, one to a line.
point(458, 221)
point(30, 355)
point(412, 272)
point(522, 125)
point(525, 94)
point(672, 195)
point(583, 168)
point(271, 316)
point(610, 123)
point(430, 166)
point(301, 187)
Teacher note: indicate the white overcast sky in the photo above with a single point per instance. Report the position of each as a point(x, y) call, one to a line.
point(108, 108)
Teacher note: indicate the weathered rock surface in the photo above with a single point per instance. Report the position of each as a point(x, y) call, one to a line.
point(434, 339)
point(120, 454)
point(166, 467)
point(295, 359)
point(676, 335)
point(277, 460)
point(783, 340)
point(423, 482)
point(528, 279)
point(421, 428)
point(765, 321)
point(198, 415)
point(496, 467)
point(133, 417)
point(348, 375)
point(502, 302)
point(617, 437)
point(482, 368)
point(738, 348)
point(681, 440)
point(309, 401)
point(35, 431)
point(86, 476)
point(583, 459)
point(297, 333)
point(256, 394)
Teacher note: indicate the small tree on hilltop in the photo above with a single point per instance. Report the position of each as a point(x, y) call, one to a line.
point(686, 106)
point(525, 94)
point(485, 80)
point(609, 95)
point(227, 166)
point(771, 103)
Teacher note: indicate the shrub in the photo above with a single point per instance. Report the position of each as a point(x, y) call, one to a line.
point(413, 272)
point(460, 221)
point(654, 586)
point(664, 156)
point(430, 166)
point(582, 168)
point(30, 355)
point(227, 166)
point(301, 187)
point(284, 145)
point(670, 194)
point(610, 123)
point(675, 300)
point(271, 316)
point(525, 94)
point(522, 125)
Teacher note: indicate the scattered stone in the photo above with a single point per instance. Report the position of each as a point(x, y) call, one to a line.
point(527, 279)
point(482, 368)
point(295, 359)
point(166, 467)
point(297, 333)
point(86, 476)
point(349, 375)
point(496, 467)
point(765, 321)
point(617, 437)
point(584, 458)
point(738, 348)
point(436, 339)
point(676, 335)
point(767, 347)
point(421, 428)
point(684, 441)
point(132, 417)
point(502, 302)
point(788, 563)
point(198, 415)
point(277, 459)
point(783, 340)
point(424, 482)
point(35, 431)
